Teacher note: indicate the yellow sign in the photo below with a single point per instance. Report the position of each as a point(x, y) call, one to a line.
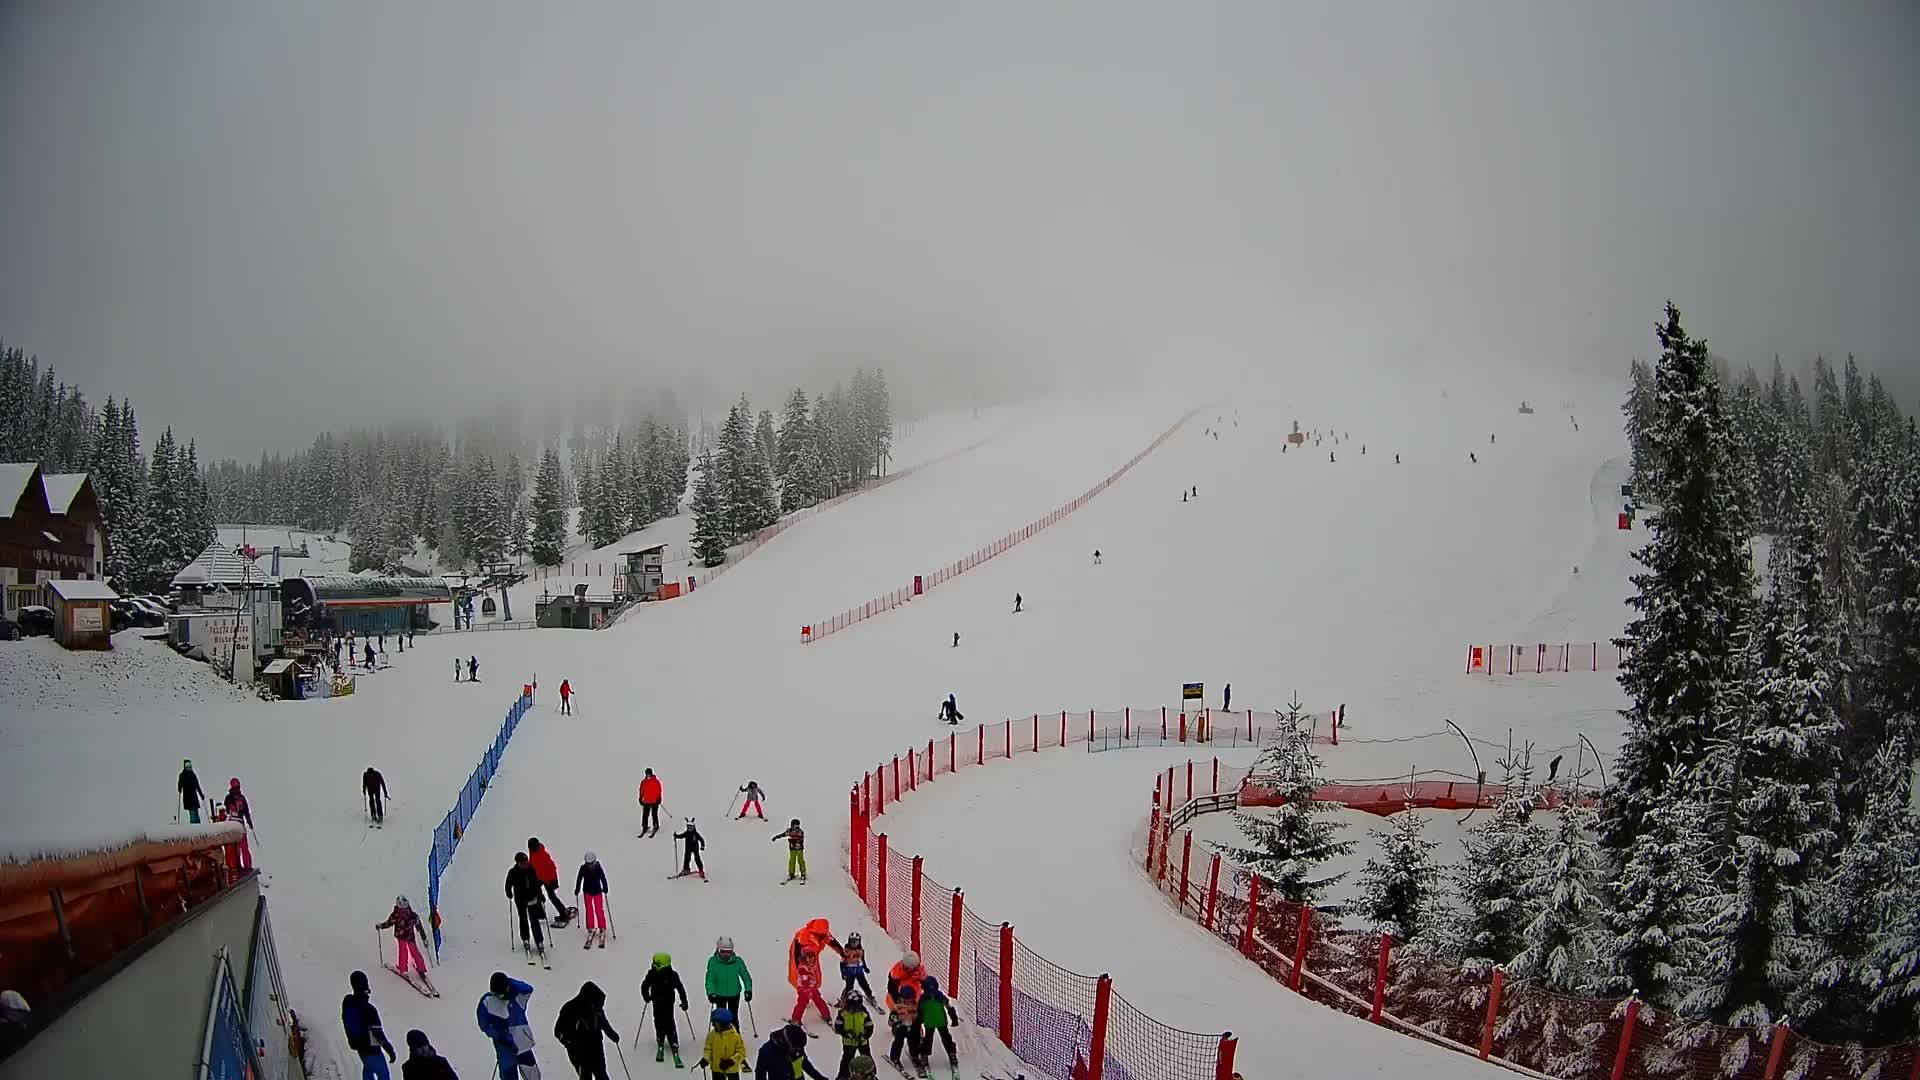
point(1192, 691)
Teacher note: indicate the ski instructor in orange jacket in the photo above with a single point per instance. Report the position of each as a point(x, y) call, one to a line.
point(650, 796)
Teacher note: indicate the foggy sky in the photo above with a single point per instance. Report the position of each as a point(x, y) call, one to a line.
point(263, 220)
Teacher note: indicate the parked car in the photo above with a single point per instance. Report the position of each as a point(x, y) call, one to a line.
point(138, 611)
point(9, 630)
point(36, 621)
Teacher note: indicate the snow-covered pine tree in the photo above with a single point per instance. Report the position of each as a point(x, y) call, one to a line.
point(1865, 922)
point(1638, 410)
point(1495, 884)
point(166, 529)
point(765, 496)
point(513, 494)
point(1683, 670)
point(199, 505)
point(1830, 420)
point(793, 446)
point(1653, 944)
point(487, 542)
point(709, 513)
point(1399, 886)
point(1562, 941)
point(739, 467)
point(616, 492)
point(1890, 511)
point(763, 435)
point(549, 532)
point(1289, 845)
point(587, 487)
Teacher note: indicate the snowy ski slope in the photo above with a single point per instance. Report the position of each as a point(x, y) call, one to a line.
point(1355, 580)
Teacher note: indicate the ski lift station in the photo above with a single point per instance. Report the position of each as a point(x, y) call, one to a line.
point(365, 605)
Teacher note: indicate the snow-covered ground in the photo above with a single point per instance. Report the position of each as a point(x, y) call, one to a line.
point(1355, 580)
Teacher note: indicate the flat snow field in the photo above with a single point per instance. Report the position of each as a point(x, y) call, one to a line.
point(1354, 580)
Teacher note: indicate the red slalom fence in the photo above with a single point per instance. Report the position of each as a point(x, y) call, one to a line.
point(1543, 658)
point(1062, 1023)
point(1467, 1007)
point(922, 582)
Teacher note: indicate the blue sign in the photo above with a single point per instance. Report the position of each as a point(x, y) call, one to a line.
point(229, 1049)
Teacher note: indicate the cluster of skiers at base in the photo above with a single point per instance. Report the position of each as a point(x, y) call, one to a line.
point(917, 1012)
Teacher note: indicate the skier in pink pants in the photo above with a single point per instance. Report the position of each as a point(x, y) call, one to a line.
point(406, 927)
point(752, 805)
point(591, 881)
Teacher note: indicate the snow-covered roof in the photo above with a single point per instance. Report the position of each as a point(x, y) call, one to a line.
point(61, 488)
point(69, 589)
point(218, 565)
point(14, 477)
point(276, 667)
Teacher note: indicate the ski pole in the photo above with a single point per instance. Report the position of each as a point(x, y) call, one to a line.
point(753, 1024)
point(623, 1059)
point(608, 909)
point(379, 947)
point(730, 802)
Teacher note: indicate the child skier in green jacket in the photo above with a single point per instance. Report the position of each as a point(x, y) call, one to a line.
point(935, 1021)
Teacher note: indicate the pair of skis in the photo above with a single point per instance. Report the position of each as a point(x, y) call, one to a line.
point(701, 874)
point(920, 1070)
point(424, 986)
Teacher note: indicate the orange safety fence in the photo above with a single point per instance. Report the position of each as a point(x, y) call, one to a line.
point(1463, 1006)
point(1543, 658)
point(887, 601)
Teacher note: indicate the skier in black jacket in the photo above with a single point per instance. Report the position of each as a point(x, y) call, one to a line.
point(523, 888)
point(190, 794)
point(658, 989)
point(784, 1056)
point(423, 1061)
point(694, 843)
point(581, 1023)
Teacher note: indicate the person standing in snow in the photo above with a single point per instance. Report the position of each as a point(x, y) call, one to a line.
point(591, 878)
point(578, 1028)
point(796, 838)
point(566, 695)
point(934, 1021)
point(1016, 603)
point(236, 804)
point(190, 794)
point(423, 1061)
point(1096, 556)
point(650, 796)
point(1226, 699)
point(473, 669)
point(456, 669)
point(370, 663)
point(753, 803)
point(725, 1051)
point(523, 889)
point(727, 977)
point(364, 1034)
point(374, 786)
point(854, 1024)
point(406, 924)
point(658, 989)
point(853, 966)
point(549, 875)
point(502, 1015)
point(784, 1056)
point(692, 858)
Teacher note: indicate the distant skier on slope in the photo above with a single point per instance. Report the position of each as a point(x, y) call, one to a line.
point(593, 879)
point(456, 669)
point(473, 669)
point(374, 786)
point(692, 859)
point(406, 926)
point(1016, 603)
point(190, 794)
point(566, 698)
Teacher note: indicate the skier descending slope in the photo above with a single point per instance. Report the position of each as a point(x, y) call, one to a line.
point(593, 879)
point(406, 927)
point(694, 843)
point(727, 977)
point(754, 797)
point(658, 989)
point(578, 1028)
point(523, 889)
point(374, 786)
point(502, 1015)
point(796, 839)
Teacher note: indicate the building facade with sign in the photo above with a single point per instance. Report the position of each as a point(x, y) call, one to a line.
point(81, 618)
point(51, 529)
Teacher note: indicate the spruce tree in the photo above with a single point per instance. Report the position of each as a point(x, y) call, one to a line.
point(1290, 844)
point(486, 540)
point(794, 446)
point(1640, 418)
point(1398, 885)
point(1562, 941)
point(763, 435)
point(740, 466)
point(549, 538)
point(709, 514)
point(1495, 883)
point(1682, 672)
point(1653, 942)
point(200, 529)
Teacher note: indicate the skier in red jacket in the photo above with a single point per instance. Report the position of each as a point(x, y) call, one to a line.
point(650, 796)
point(566, 695)
point(549, 875)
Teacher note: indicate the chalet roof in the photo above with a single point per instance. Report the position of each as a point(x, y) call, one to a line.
point(61, 488)
point(218, 565)
point(14, 478)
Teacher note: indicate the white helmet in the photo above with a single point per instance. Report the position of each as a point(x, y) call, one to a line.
point(723, 944)
point(910, 960)
point(591, 857)
point(400, 901)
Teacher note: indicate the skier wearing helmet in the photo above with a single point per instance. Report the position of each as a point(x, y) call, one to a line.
point(658, 989)
point(725, 1051)
point(236, 803)
point(784, 1055)
point(728, 978)
point(854, 1025)
point(406, 929)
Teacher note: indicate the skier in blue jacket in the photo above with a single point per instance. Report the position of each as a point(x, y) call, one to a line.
point(502, 1015)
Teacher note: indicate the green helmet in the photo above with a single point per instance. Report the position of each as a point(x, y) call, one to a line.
point(661, 960)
